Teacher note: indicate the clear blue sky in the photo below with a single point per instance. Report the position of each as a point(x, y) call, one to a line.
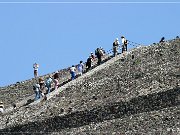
point(57, 35)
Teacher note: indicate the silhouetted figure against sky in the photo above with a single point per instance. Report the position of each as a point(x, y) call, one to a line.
point(124, 44)
point(162, 40)
point(115, 47)
point(99, 54)
point(35, 66)
point(88, 63)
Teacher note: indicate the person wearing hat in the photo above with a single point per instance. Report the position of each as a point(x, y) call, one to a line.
point(115, 47)
point(1, 107)
point(124, 44)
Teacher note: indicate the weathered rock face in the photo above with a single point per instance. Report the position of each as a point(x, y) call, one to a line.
point(138, 92)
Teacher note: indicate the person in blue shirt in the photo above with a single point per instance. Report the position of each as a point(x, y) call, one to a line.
point(48, 83)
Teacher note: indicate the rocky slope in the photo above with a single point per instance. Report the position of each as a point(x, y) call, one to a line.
point(16, 93)
point(135, 93)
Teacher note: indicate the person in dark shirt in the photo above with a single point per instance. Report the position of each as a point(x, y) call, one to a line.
point(88, 63)
point(162, 40)
point(115, 47)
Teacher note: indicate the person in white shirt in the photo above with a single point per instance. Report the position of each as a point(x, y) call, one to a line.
point(80, 68)
point(73, 72)
point(35, 66)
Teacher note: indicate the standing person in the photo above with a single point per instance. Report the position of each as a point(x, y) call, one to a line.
point(93, 58)
point(1, 107)
point(36, 89)
point(55, 80)
point(35, 66)
point(115, 47)
point(96, 51)
point(99, 55)
point(103, 51)
point(162, 40)
point(80, 68)
point(48, 83)
point(56, 75)
point(124, 44)
point(42, 85)
point(73, 72)
point(88, 63)
point(56, 84)
point(92, 55)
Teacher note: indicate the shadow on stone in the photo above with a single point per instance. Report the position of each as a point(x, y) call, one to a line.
point(145, 103)
point(29, 101)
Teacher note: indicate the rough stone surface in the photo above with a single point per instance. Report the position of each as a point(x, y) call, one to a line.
point(135, 93)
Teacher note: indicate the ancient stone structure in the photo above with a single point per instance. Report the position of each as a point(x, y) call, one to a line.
point(135, 93)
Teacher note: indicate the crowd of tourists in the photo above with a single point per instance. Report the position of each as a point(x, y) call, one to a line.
point(43, 87)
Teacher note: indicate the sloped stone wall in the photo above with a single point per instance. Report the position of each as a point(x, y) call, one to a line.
point(22, 92)
point(143, 72)
point(110, 111)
